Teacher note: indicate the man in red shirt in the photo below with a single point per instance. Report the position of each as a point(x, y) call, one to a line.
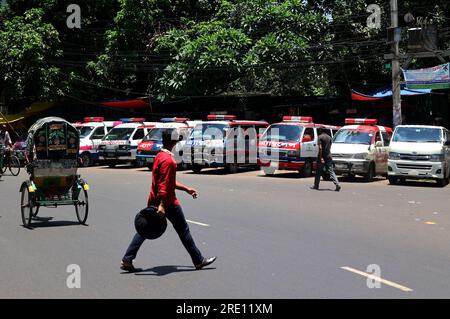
point(162, 195)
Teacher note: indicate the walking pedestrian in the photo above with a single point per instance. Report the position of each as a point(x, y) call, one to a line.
point(324, 160)
point(162, 195)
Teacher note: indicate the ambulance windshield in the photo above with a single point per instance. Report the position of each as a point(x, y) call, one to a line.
point(280, 132)
point(85, 131)
point(353, 137)
point(209, 131)
point(155, 134)
point(119, 134)
point(417, 135)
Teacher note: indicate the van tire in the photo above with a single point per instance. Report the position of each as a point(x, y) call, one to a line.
point(307, 170)
point(197, 169)
point(268, 171)
point(393, 180)
point(232, 168)
point(370, 174)
point(112, 164)
point(86, 159)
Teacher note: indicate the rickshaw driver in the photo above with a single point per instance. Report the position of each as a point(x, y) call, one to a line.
point(5, 140)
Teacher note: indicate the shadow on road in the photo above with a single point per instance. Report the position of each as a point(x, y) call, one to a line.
point(219, 171)
point(165, 270)
point(429, 184)
point(45, 222)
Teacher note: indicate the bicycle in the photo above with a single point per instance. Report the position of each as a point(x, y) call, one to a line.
point(10, 162)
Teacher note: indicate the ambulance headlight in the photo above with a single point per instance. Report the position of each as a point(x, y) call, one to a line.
point(293, 153)
point(437, 158)
point(394, 156)
point(102, 147)
point(360, 156)
point(124, 147)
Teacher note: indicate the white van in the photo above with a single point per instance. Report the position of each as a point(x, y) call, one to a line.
point(91, 133)
point(120, 144)
point(419, 152)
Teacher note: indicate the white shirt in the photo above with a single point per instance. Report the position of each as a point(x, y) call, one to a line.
point(6, 140)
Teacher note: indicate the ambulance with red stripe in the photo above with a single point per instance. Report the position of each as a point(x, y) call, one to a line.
point(119, 146)
point(291, 145)
point(361, 147)
point(223, 141)
point(91, 133)
point(152, 142)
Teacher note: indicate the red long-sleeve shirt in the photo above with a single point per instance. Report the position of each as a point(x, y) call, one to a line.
point(163, 180)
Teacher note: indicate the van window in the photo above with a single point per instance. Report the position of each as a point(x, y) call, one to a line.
point(378, 138)
point(139, 135)
point(310, 131)
point(417, 135)
point(386, 138)
point(98, 133)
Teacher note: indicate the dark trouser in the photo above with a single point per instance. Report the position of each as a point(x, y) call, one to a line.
point(175, 215)
point(329, 168)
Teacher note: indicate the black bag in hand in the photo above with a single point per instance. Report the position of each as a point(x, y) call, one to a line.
point(148, 224)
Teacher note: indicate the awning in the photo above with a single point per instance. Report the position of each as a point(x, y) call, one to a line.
point(387, 92)
point(127, 104)
point(31, 110)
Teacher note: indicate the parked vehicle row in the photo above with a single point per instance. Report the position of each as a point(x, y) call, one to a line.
point(361, 147)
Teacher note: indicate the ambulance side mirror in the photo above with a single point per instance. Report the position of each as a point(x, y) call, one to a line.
point(379, 144)
point(306, 138)
point(447, 143)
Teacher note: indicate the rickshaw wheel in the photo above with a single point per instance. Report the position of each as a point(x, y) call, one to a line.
point(35, 213)
point(82, 207)
point(14, 165)
point(26, 206)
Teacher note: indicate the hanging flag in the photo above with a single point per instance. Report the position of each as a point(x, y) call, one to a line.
point(437, 77)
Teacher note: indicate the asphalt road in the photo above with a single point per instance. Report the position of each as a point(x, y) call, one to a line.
point(274, 238)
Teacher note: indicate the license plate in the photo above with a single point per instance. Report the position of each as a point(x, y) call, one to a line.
point(274, 164)
point(413, 173)
point(109, 154)
point(341, 166)
point(149, 160)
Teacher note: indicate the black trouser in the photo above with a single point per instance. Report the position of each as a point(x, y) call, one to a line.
point(175, 215)
point(329, 168)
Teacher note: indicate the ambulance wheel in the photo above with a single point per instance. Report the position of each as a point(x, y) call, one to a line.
point(112, 164)
point(150, 167)
point(370, 174)
point(196, 169)
point(306, 171)
point(268, 170)
point(86, 159)
point(393, 180)
point(232, 168)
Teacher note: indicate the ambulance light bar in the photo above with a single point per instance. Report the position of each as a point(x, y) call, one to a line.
point(361, 121)
point(94, 119)
point(132, 120)
point(221, 117)
point(174, 119)
point(301, 119)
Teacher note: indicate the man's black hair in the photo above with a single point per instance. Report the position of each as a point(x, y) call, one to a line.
point(169, 137)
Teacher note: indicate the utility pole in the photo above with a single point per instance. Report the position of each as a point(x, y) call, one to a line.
point(396, 90)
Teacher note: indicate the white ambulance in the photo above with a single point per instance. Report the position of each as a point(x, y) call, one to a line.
point(120, 144)
point(420, 152)
point(91, 133)
point(361, 147)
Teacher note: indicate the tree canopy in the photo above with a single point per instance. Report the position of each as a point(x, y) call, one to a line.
point(176, 48)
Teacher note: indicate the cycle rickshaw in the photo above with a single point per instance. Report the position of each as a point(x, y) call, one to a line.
point(52, 151)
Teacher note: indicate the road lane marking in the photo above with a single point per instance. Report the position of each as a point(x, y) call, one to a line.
point(379, 279)
point(197, 223)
